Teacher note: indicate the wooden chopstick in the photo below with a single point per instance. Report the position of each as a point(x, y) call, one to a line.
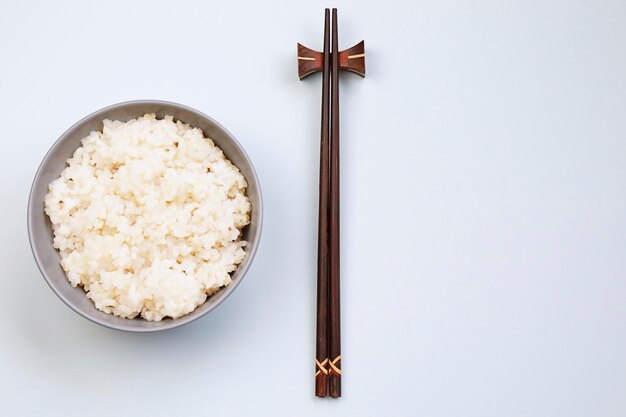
point(334, 349)
point(330, 62)
point(321, 350)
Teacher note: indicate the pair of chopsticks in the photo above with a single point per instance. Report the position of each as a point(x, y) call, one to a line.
point(328, 339)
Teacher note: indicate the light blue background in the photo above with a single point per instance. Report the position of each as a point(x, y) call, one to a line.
point(483, 222)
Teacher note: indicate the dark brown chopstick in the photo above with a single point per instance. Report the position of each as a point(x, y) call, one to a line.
point(334, 348)
point(321, 350)
point(328, 338)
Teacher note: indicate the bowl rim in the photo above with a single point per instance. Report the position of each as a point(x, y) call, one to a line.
point(171, 323)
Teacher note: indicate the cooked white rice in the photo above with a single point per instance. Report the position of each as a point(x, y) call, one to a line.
point(147, 218)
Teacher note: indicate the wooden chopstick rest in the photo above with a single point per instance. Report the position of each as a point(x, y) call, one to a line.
point(351, 59)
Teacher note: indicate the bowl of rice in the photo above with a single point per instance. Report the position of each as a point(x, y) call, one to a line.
point(145, 215)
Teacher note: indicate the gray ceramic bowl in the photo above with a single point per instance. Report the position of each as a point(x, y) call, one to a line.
point(40, 228)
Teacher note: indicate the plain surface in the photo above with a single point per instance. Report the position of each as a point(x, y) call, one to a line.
point(484, 207)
